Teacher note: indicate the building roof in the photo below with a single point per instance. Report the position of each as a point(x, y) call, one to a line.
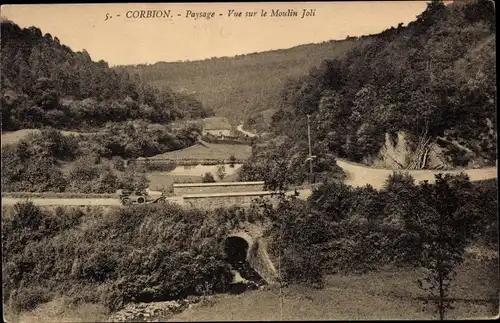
point(216, 123)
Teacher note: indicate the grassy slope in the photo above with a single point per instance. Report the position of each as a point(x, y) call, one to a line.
point(208, 151)
point(12, 137)
point(388, 294)
point(238, 86)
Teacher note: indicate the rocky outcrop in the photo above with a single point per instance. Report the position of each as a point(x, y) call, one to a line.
point(154, 311)
point(259, 260)
point(399, 152)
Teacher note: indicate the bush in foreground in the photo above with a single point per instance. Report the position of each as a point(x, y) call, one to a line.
point(143, 253)
point(345, 229)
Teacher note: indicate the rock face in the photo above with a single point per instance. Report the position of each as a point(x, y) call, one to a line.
point(260, 260)
point(400, 153)
point(394, 154)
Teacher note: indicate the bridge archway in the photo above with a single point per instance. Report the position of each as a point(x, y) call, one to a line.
point(237, 247)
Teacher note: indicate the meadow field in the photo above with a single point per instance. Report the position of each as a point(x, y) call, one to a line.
point(388, 293)
point(385, 294)
point(206, 150)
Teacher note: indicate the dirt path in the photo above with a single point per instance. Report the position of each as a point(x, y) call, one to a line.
point(359, 175)
point(68, 201)
point(249, 134)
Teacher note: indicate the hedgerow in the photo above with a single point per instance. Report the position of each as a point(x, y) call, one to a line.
point(346, 229)
point(144, 253)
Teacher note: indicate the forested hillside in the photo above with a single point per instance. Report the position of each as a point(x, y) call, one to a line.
point(45, 83)
point(237, 87)
point(47, 86)
point(425, 92)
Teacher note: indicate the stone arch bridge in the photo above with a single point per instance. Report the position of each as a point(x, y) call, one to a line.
point(248, 245)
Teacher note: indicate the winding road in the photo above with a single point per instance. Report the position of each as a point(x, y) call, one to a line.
point(357, 176)
point(361, 175)
point(249, 134)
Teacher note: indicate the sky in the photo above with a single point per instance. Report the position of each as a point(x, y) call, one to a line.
point(119, 40)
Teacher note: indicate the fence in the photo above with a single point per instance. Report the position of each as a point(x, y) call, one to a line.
point(170, 164)
point(228, 140)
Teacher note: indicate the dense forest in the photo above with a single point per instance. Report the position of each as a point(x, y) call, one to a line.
point(45, 83)
point(244, 85)
point(433, 80)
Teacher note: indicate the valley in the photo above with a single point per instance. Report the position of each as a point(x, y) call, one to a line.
point(350, 179)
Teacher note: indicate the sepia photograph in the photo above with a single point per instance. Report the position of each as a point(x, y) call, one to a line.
point(250, 161)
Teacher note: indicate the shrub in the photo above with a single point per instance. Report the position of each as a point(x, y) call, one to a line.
point(29, 298)
point(232, 161)
point(142, 253)
point(361, 229)
point(24, 169)
point(302, 264)
point(131, 180)
point(118, 163)
point(98, 267)
point(208, 178)
point(34, 164)
point(295, 237)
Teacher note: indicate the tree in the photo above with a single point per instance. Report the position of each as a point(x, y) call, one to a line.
point(232, 160)
point(132, 180)
point(448, 221)
point(297, 234)
point(44, 72)
point(279, 165)
point(221, 172)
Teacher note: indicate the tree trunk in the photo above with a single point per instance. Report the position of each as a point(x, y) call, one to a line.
point(441, 295)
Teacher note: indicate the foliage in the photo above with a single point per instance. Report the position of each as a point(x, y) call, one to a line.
point(143, 253)
point(295, 235)
point(433, 77)
point(487, 197)
point(30, 168)
point(221, 172)
point(283, 163)
point(232, 161)
point(345, 229)
point(45, 83)
point(208, 178)
point(139, 139)
point(34, 164)
point(448, 222)
point(234, 86)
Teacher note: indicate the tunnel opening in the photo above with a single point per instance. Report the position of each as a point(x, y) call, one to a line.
point(236, 249)
point(245, 277)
